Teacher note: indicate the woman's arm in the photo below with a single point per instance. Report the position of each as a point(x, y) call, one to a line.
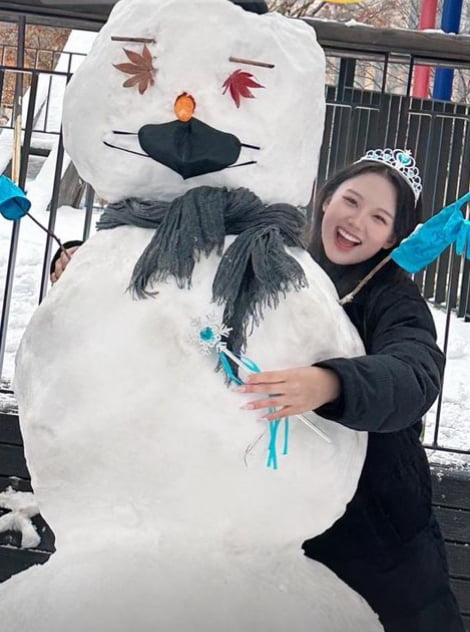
point(384, 391)
point(393, 386)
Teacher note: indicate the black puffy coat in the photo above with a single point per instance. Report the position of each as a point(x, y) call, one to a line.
point(388, 546)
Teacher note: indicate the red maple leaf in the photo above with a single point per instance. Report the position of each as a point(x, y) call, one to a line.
point(141, 69)
point(239, 84)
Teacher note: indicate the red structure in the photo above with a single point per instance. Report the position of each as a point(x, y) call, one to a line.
point(422, 74)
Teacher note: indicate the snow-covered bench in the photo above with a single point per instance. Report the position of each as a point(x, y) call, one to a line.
point(17, 510)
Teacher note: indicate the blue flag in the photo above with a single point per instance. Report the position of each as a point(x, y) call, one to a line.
point(434, 236)
point(13, 202)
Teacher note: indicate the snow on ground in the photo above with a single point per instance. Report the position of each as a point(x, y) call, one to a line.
point(454, 426)
point(39, 185)
point(454, 432)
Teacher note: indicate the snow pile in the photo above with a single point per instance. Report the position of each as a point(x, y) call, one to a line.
point(21, 507)
point(454, 426)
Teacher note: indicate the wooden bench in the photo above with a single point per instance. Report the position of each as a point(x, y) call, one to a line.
point(451, 501)
point(451, 491)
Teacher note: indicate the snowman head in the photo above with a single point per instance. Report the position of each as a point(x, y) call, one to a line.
point(177, 94)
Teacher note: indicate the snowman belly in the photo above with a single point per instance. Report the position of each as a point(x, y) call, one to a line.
point(123, 413)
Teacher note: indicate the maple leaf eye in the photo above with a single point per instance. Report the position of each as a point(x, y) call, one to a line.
point(239, 84)
point(140, 67)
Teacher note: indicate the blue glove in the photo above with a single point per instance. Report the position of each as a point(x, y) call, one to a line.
point(434, 236)
point(13, 202)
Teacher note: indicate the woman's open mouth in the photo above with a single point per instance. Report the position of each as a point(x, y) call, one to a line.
point(345, 240)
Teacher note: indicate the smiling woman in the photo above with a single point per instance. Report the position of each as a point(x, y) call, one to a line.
point(387, 545)
point(358, 219)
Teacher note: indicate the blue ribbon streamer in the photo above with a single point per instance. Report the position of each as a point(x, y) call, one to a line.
point(13, 202)
point(273, 425)
point(434, 236)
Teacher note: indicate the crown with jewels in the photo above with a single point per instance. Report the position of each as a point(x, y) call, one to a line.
point(402, 161)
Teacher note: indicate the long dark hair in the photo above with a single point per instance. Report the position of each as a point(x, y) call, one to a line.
point(408, 214)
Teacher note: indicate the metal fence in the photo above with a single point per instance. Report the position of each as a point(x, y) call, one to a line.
point(357, 119)
point(438, 134)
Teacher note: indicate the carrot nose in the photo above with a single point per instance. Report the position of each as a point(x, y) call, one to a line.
point(184, 107)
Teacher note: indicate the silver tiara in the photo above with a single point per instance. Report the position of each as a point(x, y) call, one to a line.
point(402, 161)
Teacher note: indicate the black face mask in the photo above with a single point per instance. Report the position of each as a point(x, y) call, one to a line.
point(190, 148)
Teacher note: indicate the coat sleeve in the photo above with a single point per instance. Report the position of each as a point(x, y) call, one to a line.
point(396, 383)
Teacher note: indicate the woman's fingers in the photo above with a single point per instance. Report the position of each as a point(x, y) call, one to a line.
point(285, 411)
point(272, 402)
point(268, 389)
point(267, 377)
point(70, 251)
point(292, 391)
point(59, 267)
point(62, 262)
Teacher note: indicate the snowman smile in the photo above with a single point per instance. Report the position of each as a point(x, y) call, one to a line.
point(191, 148)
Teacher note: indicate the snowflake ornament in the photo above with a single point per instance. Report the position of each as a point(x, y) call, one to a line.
point(208, 333)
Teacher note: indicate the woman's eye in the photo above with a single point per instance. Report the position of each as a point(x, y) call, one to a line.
point(350, 200)
point(380, 219)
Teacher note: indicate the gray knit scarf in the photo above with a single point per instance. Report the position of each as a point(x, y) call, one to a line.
point(254, 270)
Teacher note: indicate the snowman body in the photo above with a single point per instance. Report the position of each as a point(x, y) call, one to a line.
point(153, 478)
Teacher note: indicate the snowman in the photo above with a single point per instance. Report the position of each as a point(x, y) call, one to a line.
point(175, 509)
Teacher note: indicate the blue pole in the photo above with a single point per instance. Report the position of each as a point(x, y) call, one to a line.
point(450, 23)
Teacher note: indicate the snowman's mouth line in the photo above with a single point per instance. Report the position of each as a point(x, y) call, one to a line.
point(129, 151)
point(144, 155)
point(136, 153)
point(120, 133)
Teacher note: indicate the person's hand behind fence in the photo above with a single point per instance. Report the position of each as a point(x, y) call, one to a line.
point(61, 262)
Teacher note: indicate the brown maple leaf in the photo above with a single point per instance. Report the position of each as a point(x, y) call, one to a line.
point(141, 69)
point(239, 84)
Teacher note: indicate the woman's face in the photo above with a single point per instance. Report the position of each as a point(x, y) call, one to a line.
point(359, 218)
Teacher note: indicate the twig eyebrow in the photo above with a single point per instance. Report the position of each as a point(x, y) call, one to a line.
point(251, 62)
point(137, 40)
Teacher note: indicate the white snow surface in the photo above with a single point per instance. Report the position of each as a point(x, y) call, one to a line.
point(454, 427)
point(29, 262)
point(194, 41)
point(21, 507)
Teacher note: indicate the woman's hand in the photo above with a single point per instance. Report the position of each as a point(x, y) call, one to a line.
point(293, 391)
point(62, 262)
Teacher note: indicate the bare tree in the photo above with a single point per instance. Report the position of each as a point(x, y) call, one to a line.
point(380, 13)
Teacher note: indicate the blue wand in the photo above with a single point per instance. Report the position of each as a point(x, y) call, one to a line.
point(14, 205)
